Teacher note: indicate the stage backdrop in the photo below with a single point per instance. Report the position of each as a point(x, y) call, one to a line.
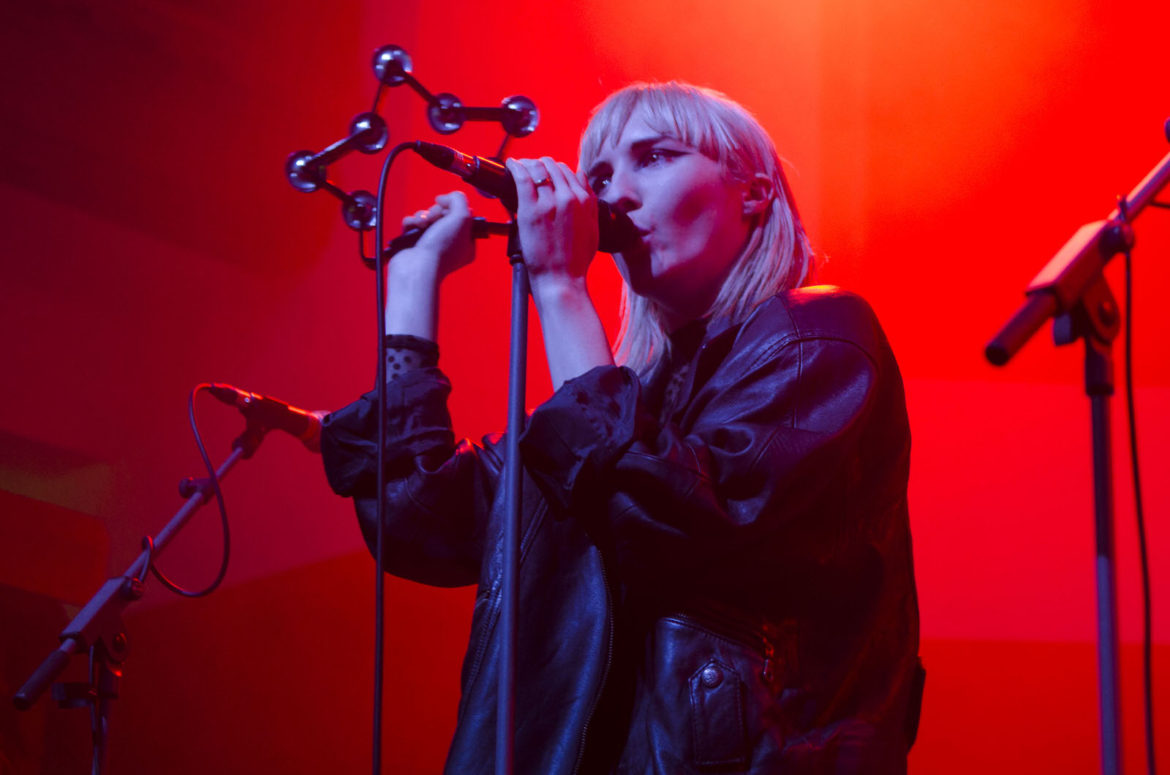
point(941, 152)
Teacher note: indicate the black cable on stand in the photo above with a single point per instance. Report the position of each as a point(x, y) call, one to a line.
point(1072, 289)
point(516, 385)
point(615, 230)
point(380, 387)
point(1143, 553)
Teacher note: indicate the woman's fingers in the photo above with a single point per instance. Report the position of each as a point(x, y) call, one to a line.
point(416, 221)
point(424, 218)
point(522, 176)
point(557, 183)
point(545, 175)
point(454, 203)
point(446, 243)
point(557, 217)
point(574, 183)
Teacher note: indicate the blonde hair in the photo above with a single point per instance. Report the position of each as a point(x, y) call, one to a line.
point(777, 255)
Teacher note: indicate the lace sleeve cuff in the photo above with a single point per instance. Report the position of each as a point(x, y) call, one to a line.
point(405, 353)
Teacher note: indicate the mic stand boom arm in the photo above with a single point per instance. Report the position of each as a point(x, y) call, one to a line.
point(1066, 278)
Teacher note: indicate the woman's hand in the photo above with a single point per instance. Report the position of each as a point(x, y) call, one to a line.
point(446, 244)
point(557, 215)
point(413, 275)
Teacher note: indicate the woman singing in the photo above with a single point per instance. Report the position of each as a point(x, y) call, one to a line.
point(715, 570)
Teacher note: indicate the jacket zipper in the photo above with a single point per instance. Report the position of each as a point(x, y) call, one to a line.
point(492, 601)
point(489, 618)
point(604, 674)
point(488, 621)
point(769, 654)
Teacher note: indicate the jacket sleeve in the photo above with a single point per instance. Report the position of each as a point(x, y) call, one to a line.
point(772, 438)
point(436, 491)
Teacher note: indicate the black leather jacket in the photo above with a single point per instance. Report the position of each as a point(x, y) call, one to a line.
point(721, 584)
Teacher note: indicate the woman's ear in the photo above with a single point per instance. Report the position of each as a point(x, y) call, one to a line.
point(757, 195)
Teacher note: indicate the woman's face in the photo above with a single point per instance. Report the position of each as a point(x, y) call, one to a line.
point(693, 221)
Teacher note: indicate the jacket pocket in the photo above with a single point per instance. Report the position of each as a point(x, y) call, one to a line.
point(718, 729)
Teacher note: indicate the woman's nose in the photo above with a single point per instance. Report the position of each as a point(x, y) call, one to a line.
point(622, 194)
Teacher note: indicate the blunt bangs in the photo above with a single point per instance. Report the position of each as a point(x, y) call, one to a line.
point(702, 118)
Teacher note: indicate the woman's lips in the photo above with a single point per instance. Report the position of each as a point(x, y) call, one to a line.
point(643, 237)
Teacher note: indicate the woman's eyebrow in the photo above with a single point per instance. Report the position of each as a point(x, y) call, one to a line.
point(598, 168)
point(643, 142)
point(635, 147)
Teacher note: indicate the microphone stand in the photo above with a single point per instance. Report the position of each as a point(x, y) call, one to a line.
point(1072, 289)
point(98, 627)
point(513, 479)
point(513, 483)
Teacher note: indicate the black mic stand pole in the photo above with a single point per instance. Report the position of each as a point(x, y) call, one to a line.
point(517, 371)
point(98, 626)
point(1072, 288)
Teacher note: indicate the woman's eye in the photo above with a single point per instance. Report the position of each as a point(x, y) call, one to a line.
point(599, 183)
point(655, 156)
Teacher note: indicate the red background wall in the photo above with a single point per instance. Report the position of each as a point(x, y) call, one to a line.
point(941, 151)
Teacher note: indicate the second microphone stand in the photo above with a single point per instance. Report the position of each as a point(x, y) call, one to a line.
point(98, 627)
point(1072, 289)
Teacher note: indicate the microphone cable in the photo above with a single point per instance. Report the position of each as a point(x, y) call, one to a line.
point(148, 541)
point(1143, 554)
point(380, 392)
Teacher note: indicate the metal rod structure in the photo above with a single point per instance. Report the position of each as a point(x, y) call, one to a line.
point(517, 372)
point(1144, 192)
point(196, 500)
point(1109, 685)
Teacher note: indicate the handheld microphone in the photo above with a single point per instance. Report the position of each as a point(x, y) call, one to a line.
point(270, 414)
point(616, 231)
